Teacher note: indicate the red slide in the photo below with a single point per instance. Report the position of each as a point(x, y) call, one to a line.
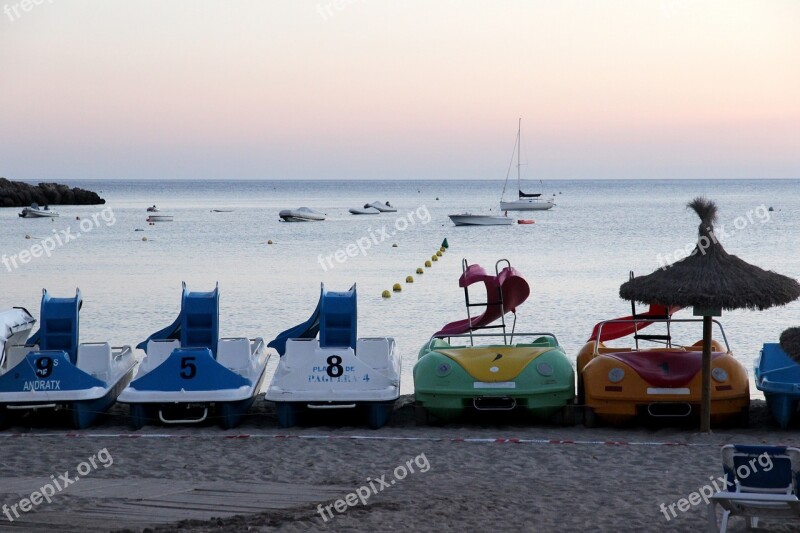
point(617, 330)
point(514, 288)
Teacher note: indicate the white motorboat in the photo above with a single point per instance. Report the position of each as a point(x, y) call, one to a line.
point(364, 211)
point(302, 214)
point(152, 209)
point(468, 219)
point(160, 218)
point(382, 207)
point(35, 212)
point(524, 201)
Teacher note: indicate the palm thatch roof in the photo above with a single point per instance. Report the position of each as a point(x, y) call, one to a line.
point(790, 343)
point(710, 277)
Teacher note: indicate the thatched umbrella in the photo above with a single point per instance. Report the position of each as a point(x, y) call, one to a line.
point(790, 343)
point(711, 280)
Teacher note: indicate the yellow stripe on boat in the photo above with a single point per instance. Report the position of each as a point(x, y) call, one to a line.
point(494, 363)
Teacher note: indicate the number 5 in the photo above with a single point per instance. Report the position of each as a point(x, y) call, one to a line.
point(188, 368)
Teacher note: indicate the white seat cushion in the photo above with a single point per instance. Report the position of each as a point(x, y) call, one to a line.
point(158, 352)
point(94, 358)
point(234, 353)
point(375, 352)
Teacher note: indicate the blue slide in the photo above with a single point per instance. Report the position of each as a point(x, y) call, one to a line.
point(197, 326)
point(58, 329)
point(334, 318)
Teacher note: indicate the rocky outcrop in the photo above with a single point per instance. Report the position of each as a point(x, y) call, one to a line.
point(18, 194)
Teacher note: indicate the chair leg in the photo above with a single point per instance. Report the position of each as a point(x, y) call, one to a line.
point(724, 527)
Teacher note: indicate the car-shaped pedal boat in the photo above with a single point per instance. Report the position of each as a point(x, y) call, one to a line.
point(190, 374)
point(663, 379)
point(337, 371)
point(453, 375)
point(778, 377)
point(52, 370)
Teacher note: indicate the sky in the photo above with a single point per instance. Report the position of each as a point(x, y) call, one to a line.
point(400, 89)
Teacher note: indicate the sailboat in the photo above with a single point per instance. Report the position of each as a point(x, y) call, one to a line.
point(524, 201)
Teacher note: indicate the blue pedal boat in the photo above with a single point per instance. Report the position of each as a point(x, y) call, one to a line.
point(778, 377)
point(52, 370)
point(190, 374)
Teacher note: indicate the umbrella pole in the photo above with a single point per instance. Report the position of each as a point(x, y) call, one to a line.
point(705, 410)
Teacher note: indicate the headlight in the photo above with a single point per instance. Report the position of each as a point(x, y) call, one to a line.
point(615, 375)
point(544, 369)
point(719, 374)
point(443, 369)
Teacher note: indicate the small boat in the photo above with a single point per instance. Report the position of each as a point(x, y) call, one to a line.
point(302, 214)
point(364, 211)
point(336, 371)
point(513, 371)
point(778, 377)
point(188, 370)
point(52, 370)
point(222, 210)
point(524, 201)
point(160, 218)
point(382, 207)
point(152, 209)
point(35, 212)
point(661, 380)
point(468, 219)
point(523, 221)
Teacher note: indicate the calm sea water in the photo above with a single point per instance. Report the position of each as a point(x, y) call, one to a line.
point(574, 257)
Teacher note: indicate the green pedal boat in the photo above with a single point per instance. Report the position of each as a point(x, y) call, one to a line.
point(454, 375)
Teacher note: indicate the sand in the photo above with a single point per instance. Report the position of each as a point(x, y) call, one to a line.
point(468, 486)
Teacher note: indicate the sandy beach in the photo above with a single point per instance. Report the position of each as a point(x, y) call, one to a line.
point(471, 476)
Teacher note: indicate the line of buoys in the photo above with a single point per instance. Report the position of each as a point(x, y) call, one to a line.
point(397, 287)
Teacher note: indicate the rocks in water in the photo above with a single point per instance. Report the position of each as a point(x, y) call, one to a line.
point(18, 194)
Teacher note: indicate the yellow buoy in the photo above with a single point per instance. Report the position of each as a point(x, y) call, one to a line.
point(409, 279)
point(386, 294)
point(427, 264)
point(443, 249)
point(439, 253)
point(144, 238)
point(270, 241)
point(397, 287)
point(420, 271)
point(434, 257)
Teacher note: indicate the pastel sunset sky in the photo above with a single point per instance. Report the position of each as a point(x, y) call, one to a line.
point(400, 89)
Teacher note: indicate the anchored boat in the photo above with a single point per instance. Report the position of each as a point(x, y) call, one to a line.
point(524, 371)
point(188, 371)
point(336, 371)
point(52, 370)
point(35, 212)
point(524, 201)
point(301, 214)
point(662, 379)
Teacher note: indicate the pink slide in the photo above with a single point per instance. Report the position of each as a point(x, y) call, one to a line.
point(514, 288)
point(617, 330)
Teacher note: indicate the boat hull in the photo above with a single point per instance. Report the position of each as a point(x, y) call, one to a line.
point(65, 387)
point(451, 381)
point(778, 377)
point(192, 382)
point(301, 215)
point(481, 220)
point(644, 393)
point(524, 205)
point(364, 381)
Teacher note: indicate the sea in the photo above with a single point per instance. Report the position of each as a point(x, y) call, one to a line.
point(574, 256)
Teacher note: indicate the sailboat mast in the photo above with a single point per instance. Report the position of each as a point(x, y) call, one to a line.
point(519, 143)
